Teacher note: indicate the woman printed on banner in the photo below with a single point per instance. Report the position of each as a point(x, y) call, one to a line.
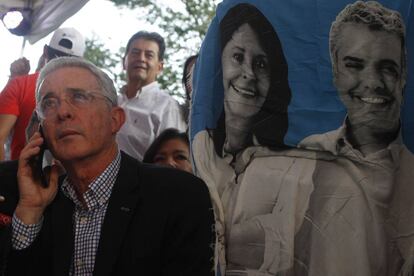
point(259, 195)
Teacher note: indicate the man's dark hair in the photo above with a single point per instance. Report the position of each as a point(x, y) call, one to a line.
point(377, 18)
point(186, 75)
point(166, 135)
point(151, 36)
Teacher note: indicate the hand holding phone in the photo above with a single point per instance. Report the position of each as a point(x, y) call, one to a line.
point(34, 197)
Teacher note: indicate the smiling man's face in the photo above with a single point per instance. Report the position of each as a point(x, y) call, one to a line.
point(368, 76)
point(142, 62)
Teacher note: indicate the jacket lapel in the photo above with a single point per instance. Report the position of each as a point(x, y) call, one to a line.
point(122, 204)
point(61, 222)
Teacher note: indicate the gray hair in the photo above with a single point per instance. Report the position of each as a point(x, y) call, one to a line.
point(377, 18)
point(104, 81)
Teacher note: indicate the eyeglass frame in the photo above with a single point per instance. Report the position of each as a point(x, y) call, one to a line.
point(92, 95)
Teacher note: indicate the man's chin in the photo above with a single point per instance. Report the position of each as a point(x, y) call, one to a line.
point(379, 126)
point(69, 151)
point(140, 74)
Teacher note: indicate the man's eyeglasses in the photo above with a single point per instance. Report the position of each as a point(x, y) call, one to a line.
point(49, 104)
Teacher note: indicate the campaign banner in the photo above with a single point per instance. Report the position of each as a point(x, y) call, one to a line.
point(302, 127)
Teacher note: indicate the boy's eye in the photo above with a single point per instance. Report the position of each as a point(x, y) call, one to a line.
point(158, 158)
point(79, 96)
point(238, 57)
point(181, 157)
point(354, 65)
point(49, 103)
point(390, 70)
point(260, 63)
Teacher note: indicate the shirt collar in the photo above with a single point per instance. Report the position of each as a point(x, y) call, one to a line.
point(339, 145)
point(99, 189)
point(144, 90)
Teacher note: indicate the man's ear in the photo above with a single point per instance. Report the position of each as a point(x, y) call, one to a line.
point(123, 63)
point(118, 118)
point(160, 66)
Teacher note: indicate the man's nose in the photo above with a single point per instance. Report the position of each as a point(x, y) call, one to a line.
point(64, 109)
point(141, 56)
point(171, 162)
point(373, 80)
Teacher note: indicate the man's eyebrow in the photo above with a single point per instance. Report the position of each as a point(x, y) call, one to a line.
point(180, 151)
point(239, 48)
point(351, 58)
point(135, 50)
point(150, 52)
point(48, 94)
point(174, 152)
point(389, 62)
point(74, 89)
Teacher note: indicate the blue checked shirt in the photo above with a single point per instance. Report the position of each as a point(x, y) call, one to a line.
point(87, 221)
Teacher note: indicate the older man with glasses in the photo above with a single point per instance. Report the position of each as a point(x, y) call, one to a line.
point(17, 98)
point(110, 215)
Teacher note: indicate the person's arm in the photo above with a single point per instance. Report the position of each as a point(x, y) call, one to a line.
point(7, 123)
point(23, 235)
point(19, 67)
point(33, 197)
point(22, 247)
point(189, 244)
point(171, 117)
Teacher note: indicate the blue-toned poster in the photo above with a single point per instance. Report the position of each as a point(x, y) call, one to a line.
point(303, 129)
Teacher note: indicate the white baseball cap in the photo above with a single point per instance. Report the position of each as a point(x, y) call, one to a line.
point(68, 41)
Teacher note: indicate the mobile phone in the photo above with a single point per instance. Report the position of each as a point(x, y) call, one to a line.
point(37, 163)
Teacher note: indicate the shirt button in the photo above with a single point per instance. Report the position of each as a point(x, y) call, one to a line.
point(341, 142)
point(83, 220)
point(79, 263)
point(22, 238)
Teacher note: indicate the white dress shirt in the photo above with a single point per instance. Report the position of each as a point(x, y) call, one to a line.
point(259, 198)
point(349, 209)
point(147, 114)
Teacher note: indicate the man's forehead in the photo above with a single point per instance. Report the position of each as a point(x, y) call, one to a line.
point(145, 45)
point(68, 78)
point(359, 39)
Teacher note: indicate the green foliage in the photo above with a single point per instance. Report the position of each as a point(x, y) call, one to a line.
point(102, 57)
point(184, 28)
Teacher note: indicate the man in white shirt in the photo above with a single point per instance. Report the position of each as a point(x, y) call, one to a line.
point(149, 110)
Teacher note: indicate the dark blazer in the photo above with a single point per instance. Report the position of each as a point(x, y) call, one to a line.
point(159, 221)
point(8, 186)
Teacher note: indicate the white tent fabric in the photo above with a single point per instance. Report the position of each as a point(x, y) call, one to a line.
point(6, 4)
point(48, 15)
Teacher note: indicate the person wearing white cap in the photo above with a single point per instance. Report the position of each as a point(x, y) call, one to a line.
point(17, 100)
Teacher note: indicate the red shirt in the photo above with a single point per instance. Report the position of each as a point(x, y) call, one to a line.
point(18, 98)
